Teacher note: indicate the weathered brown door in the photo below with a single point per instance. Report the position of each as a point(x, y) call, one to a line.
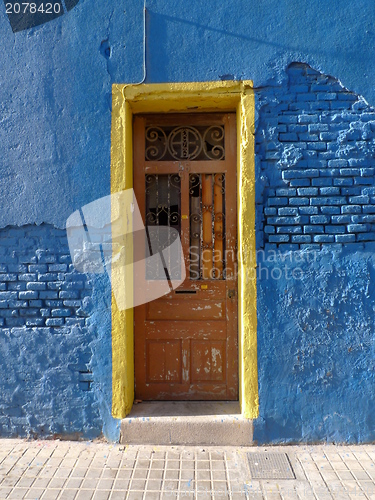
point(185, 178)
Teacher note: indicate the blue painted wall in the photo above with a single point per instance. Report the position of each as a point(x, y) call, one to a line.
point(315, 145)
point(55, 115)
point(55, 371)
point(316, 346)
point(56, 79)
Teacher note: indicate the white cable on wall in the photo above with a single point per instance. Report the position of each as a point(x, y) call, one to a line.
point(144, 46)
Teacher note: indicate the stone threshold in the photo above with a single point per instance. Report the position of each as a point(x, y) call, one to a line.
point(192, 423)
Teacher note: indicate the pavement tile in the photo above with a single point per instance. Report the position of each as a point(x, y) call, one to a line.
point(105, 484)
point(84, 495)
point(34, 494)
point(338, 465)
point(41, 482)
point(47, 472)
point(118, 495)
point(79, 472)
point(124, 474)
point(9, 481)
point(170, 485)
point(173, 464)
point(361, 475)
point(153, 495)
point(156, 474)
point(109, 473)
point(140, 474)
point(96, 471)
point(121, 484)
point(138, 484)
point(51, 494)
point(68, 494)
point(153, 484)
point(102, 495)
point(132, 495)
point(25, 482)
point(63, 472)
point(73, 483)
point(90, 483)
point(172, 474)
point(18, 493)
point(57, 482)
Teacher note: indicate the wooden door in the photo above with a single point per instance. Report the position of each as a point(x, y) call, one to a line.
point(185, 178)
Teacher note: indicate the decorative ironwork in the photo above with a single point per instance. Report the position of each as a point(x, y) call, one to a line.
point(185, 143)
point(156, 143)
point(207, 226)
point(213, 143)
point(163, 208)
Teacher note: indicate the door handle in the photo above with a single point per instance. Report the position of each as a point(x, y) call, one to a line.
point(231, 294)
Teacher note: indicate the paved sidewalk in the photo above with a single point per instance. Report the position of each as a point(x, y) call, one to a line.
point(49, 470)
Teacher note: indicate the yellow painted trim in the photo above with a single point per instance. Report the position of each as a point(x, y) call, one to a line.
point(189, 97)
point(247, 293)
point(122, 321)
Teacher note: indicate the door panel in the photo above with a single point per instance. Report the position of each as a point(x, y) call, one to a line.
point(185, 178)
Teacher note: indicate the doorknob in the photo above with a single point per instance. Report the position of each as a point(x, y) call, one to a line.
point(231, 293)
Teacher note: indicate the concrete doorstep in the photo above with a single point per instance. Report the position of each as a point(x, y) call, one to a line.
point(187, 423)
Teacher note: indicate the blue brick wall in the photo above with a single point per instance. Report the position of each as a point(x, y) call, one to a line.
point(315, 148)
point(47, 340)
point(39, 286)
point(315, 201)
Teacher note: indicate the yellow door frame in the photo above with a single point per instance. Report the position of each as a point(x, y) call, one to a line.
point(188, 97)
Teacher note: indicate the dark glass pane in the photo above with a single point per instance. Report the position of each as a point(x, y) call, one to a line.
point(163, 202)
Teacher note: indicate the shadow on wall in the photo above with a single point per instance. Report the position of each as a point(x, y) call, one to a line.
point(315, 147)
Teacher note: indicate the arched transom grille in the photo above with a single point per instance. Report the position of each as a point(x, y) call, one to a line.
point(168, 143)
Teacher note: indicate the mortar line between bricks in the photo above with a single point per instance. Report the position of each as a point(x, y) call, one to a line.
point(56, 470)
point(298, 494)
point(19, 479)
point(132, 474)
point(306, 474)
point(329, 489)
point(324, 481)
point(148, 475)
point(101, 474)
point(357, 481)
point(369, 456)
point(227, 477)
point(44, 468)
point(245, 460)
point(164, 474)
point(27, 468)
point(286, 492)
point(116, 477)
point(262, 490)
point(211, 479)
point(196, 474)
point(341, 481)
point(70, 475)
point(179, 476)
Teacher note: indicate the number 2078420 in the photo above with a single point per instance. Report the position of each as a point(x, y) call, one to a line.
point(33, 8)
